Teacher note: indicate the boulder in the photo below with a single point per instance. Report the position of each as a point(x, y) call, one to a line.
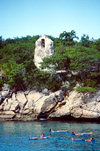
point(5, 87)
point(60, 112)
point(76, 112)
point(89, 114)
point(14, 106)
point(59, 95)
point(78, 105)
point(45, 91)
point(7, 115)
point(4, 94)
point(66, 84)
point(34, 105)
point(47, 103)
point(32, 97)
point(7, 104)
point(22, 100)
point(38, 104)
point(0, 98)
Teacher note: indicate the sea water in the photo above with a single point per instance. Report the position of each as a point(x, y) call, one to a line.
point(14, 136)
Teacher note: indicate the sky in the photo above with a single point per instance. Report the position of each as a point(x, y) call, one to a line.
point(19, 18)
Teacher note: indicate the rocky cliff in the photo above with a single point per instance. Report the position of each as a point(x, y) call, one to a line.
point(33, 105)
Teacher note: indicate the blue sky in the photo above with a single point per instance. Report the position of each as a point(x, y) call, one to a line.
point(19, 18)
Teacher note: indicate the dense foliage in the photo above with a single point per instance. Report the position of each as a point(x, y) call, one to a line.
point(80, 60)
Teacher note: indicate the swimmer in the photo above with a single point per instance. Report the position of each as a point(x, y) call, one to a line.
point(52, 131)
point(41, 137)
point(85, 140)
point(89, 133)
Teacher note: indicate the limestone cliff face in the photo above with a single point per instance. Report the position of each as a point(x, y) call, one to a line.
point(43, 48)
point(79, 106)
point(33, 105)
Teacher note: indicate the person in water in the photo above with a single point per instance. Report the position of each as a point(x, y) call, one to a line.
point(42, 136)
point(89, 133)
point(85, 140)
point(51, 130)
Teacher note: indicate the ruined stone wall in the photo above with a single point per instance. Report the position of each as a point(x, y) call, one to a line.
point(43, 48)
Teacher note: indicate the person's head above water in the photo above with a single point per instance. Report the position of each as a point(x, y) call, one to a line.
point(91, 138)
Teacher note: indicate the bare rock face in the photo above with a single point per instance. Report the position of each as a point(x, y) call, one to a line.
point(79, 105)
point(35, 105)
point(20, 96)
point(43, 48)
point(7, 115)
point(5, 91)
point(47, 103)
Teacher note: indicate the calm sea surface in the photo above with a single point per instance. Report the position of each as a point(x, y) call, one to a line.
point(14, 136)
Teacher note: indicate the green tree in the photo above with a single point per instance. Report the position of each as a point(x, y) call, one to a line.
point(85, 40)
point(14, 74)
point(1, 42)
point(97, 44)
point(68, 38)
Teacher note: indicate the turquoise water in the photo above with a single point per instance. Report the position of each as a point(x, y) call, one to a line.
point(14, 136)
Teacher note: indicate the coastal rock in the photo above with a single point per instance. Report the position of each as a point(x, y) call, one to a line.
point(14, 106)
point(7, 114)
point(20, 97)
point(90, 114)
point(39, 103)
point(32, 98)
point(4, 94)
point(59, 95)
point(5, 87)
point(78, 105)
point(47, 103)
point(76, 112)
point(60, 112)
point(0, 98)
point(35, 105)
point(7, 103)
point(45, 91)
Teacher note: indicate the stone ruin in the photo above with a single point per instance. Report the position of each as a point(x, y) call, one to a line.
point(43, 48)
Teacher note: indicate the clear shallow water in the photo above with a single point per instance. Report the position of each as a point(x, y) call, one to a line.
point(14, 136)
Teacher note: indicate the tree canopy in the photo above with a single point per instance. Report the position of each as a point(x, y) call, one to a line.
point(19, 71)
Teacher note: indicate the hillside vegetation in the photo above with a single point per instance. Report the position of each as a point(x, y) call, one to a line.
point(80, 60)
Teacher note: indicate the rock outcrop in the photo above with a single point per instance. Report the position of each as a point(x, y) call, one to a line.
point(29, 105)
point(79, 105)
point(33, 105)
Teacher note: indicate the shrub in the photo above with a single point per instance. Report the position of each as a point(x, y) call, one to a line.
point(86, 89)
point(1, 84)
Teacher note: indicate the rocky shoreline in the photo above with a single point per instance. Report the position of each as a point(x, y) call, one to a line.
point(33, 105)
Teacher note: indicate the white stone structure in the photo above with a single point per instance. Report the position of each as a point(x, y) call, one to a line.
point(43, 48)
